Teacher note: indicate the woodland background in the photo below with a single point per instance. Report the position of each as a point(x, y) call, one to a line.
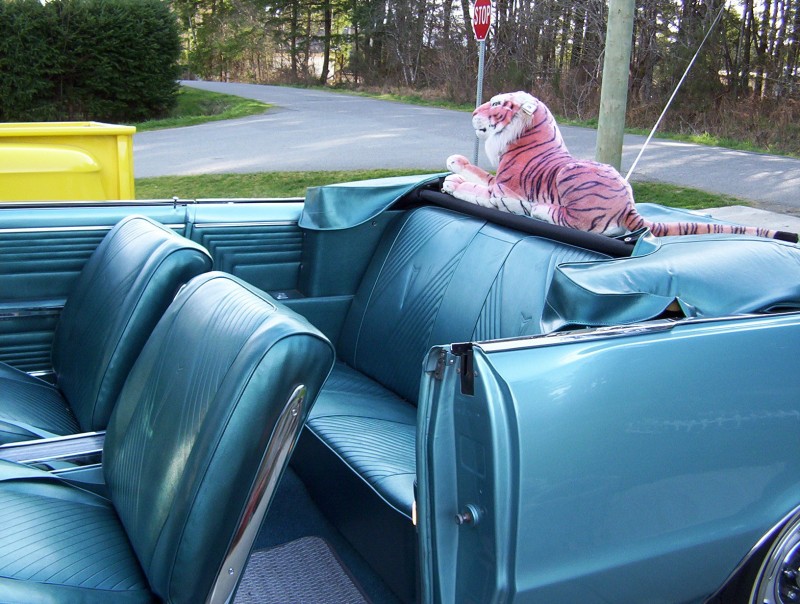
point(118, 60)
point(744, 86)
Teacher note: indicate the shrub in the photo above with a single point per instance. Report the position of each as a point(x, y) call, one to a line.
point(109, 60)
point(29, 60)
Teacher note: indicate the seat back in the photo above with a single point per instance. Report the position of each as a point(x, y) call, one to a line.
point(122, 291)
point(439, 277)
point(203, 428)
point(387, 331)
point(516, 300)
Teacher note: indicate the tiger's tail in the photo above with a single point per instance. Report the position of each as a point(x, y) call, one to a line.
point(666, 229)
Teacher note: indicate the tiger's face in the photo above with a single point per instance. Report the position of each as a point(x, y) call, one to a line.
point(502, 120)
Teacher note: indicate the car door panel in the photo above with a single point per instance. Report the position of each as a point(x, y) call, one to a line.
point(257, 241)
point(608, 467)
point(42, 251)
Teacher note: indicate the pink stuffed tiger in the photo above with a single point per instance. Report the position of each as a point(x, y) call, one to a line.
point(537, 177)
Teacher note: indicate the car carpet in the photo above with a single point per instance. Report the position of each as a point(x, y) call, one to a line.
point(293, 515)
point(304, 570)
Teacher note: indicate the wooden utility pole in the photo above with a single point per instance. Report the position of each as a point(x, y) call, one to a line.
point(614, 90)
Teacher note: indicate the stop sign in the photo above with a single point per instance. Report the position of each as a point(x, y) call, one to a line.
point(481, 18)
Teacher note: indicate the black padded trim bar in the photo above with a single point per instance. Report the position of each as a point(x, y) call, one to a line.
point(589, 241)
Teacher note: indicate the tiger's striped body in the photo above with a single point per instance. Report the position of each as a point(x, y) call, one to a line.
point(537, 177)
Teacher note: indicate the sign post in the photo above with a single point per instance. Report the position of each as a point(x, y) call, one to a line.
point(481, 20)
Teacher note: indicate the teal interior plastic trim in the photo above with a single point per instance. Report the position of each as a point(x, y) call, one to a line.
point(345, 205)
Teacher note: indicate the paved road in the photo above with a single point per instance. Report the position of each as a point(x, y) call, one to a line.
point(307, 130)
point(312, 129)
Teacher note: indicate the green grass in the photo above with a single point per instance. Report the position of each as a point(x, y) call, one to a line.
point(260, 184)
point(197, 106)
point(706, 139)
point(730, 143)
point(294, 184)
point(681, 197)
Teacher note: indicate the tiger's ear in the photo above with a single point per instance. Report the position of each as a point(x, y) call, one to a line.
point(527, 103)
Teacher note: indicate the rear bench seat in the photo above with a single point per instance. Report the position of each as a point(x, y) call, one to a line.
point(437, 277)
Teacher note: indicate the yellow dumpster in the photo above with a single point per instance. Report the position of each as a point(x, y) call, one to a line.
point(66, 161)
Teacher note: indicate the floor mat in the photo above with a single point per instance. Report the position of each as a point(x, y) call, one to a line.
point(303, 571)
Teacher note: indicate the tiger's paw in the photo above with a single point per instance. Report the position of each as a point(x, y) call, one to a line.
point(451, 183)
point(457, 163)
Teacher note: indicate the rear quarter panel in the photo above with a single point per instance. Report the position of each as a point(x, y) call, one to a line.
point(635, 467)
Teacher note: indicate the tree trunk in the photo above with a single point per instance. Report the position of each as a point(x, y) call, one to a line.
point(762, 36)
point(472, 47)
point(294, 26)
point(743, 51)
point(326, 41)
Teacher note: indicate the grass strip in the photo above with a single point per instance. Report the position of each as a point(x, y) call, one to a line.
point(259, 184)
point(681, 197)
point(197, 106)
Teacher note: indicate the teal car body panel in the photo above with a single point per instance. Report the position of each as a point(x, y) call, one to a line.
point(599, 459)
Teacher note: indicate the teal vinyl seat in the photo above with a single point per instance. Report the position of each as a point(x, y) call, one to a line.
point(117, 299)
point(193, 451)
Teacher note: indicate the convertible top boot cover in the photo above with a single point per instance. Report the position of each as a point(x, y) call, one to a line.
point(122, 291)
point(188, 459)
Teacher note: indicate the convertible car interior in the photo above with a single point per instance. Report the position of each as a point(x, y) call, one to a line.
point(323, 381)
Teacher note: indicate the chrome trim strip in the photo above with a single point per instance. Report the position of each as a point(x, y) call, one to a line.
point(580, 335)
point(23, 313)
point(267, 223)
point(210, 200)
point(120, 203)
point(616, 331)
point(42, 373)
point(71, 229)
point(55, 448)
point(280, 445)
point(66, 229)
point(67, 471)
point(125, 203)
point(54, 439)
point(95, 453)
